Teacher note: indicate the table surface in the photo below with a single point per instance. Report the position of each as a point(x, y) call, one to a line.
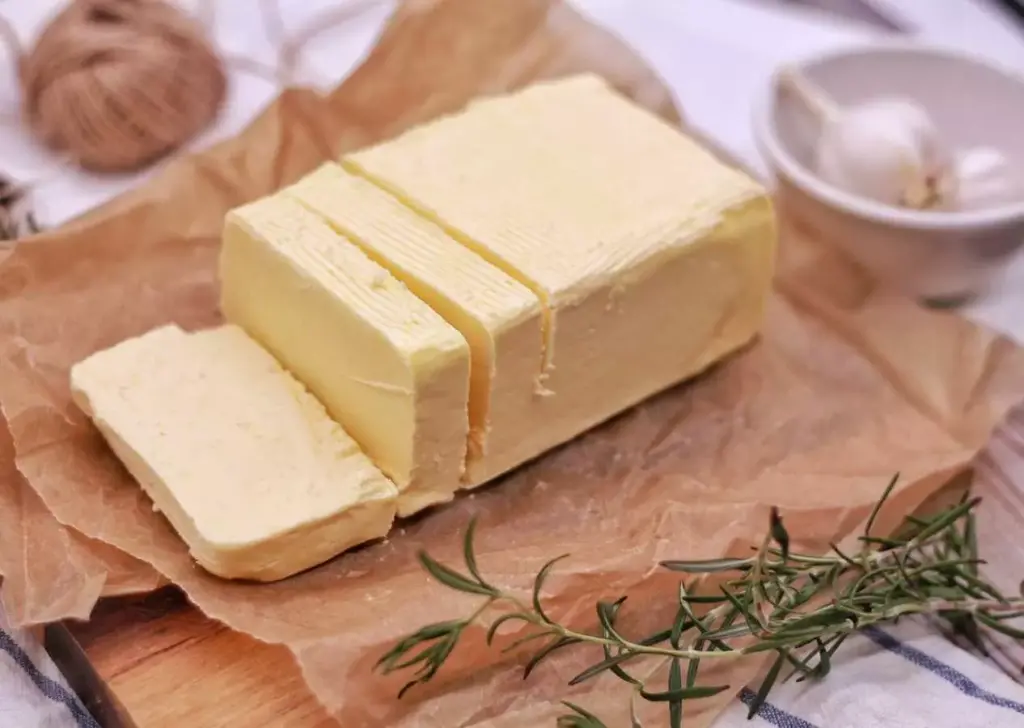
point(140, 645)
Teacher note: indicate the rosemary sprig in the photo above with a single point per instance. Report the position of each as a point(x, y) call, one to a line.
point(802, 607)
point(16, 218)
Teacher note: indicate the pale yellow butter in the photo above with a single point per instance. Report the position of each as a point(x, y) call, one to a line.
point(500, 318)
point(652, 259)
point(244, 462)
point(387, 366)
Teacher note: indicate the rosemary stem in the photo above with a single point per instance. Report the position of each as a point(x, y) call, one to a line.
point(484, 606)
point(865, 618)
point(527, 615)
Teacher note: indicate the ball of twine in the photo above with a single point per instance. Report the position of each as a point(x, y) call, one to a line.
point(116, 84)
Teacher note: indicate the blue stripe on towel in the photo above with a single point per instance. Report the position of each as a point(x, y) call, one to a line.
point(48, 687)
point(951, 675)
point(775, 716)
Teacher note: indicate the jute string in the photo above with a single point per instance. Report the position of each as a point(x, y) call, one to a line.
point(119, 83)
point(115, 85)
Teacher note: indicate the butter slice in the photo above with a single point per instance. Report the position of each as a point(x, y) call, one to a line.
point(653, 260)
point(244, 462)
point(386, 366)
point(500, 318)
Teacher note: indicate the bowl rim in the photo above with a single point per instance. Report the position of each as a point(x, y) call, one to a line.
point(775, 153)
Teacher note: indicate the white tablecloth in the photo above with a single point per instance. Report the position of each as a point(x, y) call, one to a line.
point(905, 677)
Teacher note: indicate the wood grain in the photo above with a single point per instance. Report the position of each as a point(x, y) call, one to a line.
point(170, 666)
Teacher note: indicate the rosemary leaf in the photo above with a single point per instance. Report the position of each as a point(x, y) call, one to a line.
point(1016, 614)
point(946, 519)
point(998, 626)
point(766, 685)
point(579, 719)
point(469, 554)
point(826, 649)
point(727, 633)
point(752, 624)
point(547, 650)
point(611, 612)
point(878, 506)
point(838, 552)
point(779, 533)
point(532, 637)
point(685, 601)
point(824, 666)
point(885, 543)
point(538, 584)
point(656, 638)
point(709, 566)
point(492, 631)
point(803, 558)
point(606, 613)
point(977, 587)
point(774, 643)
point(602, 666)
point(826, 616)
point(681, 623)
point(424, 634)
point(694, 666)
point(690, 693)
point(971, 536)
point(675, 685)
point(407, 687)
point(453, 579)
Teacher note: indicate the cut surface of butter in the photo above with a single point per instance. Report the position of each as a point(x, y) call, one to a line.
point(387, 367)
point(243, 461)
point(652, 259)
point(500, 318)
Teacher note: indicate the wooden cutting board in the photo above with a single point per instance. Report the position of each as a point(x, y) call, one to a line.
point(170, 667)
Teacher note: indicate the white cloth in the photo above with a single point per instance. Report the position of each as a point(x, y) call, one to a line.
point(901, 677)
point(33, 693)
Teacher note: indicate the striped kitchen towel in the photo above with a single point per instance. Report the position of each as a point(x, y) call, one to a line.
point(33, 693)
point(907, 676)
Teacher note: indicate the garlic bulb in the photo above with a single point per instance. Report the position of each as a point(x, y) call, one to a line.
point(886, 150)
point(889, 150)
point(983, 178)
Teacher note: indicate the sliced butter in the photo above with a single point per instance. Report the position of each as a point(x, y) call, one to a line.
point(386, 366)
point(499, 317)
point(244, 462)
point(652, 259)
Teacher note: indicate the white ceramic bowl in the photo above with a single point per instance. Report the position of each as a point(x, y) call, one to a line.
point(939, 256)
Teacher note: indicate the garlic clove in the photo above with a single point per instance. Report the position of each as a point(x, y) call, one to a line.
point(984, 178)
point(886, 150)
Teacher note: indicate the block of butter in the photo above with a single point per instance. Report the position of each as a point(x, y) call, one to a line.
point(241, 459)
point(650, 259)
point(387, 367)
point(500, 318)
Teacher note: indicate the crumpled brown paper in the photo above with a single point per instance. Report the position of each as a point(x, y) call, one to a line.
point(52, 572)
point(847, 385)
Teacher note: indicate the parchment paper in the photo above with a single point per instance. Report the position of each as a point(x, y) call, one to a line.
point(52, 572)
point(847, 385)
